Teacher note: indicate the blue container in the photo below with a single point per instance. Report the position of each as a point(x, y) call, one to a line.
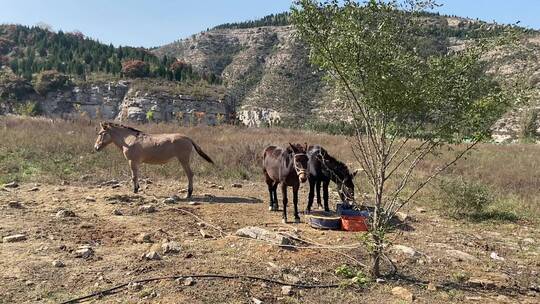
point(347, 210)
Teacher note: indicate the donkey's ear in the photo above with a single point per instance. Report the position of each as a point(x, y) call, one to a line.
point(356, 172)
point(306, 146)
point(102, 124)
point(292, 147)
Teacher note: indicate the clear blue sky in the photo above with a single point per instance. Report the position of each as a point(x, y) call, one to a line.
point(153, 23)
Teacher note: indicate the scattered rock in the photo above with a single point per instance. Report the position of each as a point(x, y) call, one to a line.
point(431, 286)
point(263, 234)
point(480, 282)
point(170, 247)
point(208, 195)
point(135, 286)
point(221, 188)
point(256, 301)
point(236, 185)
point(14, 238)
point(474, 298)
point(86, 226)
point(33, 189)
point(144, 238)
point(58, 263)
point(496, 256)
point(460, 255)
point(147, 209)
point(380, 281)
point(58, 189)
point(117, 212)
point(15, 205)
point(115, 186)
point(183, 191)
point(11, 185)
point(402, 216)
point(84, 252)
point(403, 293)
point(406, 250)
point(528, 240)
point(188, 255)
point(204, 234)
point(152, 255)
point(189, 281)
point(213, 186)
point(421, 210)
point(65, 213)
point(286, 290)
point(90, 199)
point(194, 203)
point(169, 200)
point(291, 278)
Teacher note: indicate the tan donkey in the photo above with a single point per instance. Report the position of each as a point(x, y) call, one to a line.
point(139, 147)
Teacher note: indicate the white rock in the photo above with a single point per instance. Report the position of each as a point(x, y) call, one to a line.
point(58, 263)
point(528, 240)
point(135, 286)
point(144, 238)
point(65, 213)
point(263, 234)
point(406, 250)
point(11, 185)
point(236, 185)
point(152, 255)
point(169, 200)
point(117, 212)
point(460, 255)
point(496, 256)
point(256, 301)
point(194, 203)
point(171, 247)
point(188, 281)
point(147, 208)
point(90, 199)
point(84, 252)
point(286, 290)
point(14, 238)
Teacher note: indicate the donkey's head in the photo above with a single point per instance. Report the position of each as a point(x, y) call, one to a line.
point(300, 160)
point(346, 189)
point(104, 136)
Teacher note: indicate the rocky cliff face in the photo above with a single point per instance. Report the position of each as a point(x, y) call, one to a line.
point(122, 102)
point(269, 79)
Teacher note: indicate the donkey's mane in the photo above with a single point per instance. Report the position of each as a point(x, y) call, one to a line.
point(112, 124)
point(338, 166)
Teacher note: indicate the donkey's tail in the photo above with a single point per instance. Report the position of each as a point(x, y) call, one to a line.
point(201, 153)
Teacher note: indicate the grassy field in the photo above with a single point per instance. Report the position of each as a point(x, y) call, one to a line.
point(57, 169)
point(44, 150)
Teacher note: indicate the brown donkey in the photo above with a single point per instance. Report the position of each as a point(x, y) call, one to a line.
point(288, 167)
point(139, 147)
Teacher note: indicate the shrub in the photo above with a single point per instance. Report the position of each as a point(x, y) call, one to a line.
point(31, 108)
point(135, 68)
point(51, 80)
point(150, 115)
point(465, 198)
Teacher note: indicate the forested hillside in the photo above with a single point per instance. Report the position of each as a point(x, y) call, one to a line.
point(30, 50)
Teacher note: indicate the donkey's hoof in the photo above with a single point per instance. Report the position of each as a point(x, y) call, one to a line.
point(284, 221)
point(297, 220)
point(271, 208)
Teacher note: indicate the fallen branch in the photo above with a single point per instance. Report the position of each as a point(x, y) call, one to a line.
point(200, 276)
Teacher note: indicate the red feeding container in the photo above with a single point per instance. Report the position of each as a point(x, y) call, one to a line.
point(354, 223)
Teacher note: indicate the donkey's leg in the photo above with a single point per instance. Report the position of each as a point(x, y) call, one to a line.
point(325, 194)
point(285, 201)
point(319, 193)
point(134, 166)
point(295, 203)
point(270, 184)
point(311, 194)
point(274, 195)
point(189, 174)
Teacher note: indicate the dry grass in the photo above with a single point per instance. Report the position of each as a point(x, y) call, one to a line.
point(47, 150)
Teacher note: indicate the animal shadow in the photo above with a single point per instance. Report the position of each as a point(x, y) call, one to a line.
point(223, 200)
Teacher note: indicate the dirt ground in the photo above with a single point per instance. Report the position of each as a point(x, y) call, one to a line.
point(27, 273)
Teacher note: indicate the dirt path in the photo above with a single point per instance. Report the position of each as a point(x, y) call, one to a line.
point(110, 221)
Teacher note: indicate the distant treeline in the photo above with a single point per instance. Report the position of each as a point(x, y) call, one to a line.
point(270, 20)
point(30, 50)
